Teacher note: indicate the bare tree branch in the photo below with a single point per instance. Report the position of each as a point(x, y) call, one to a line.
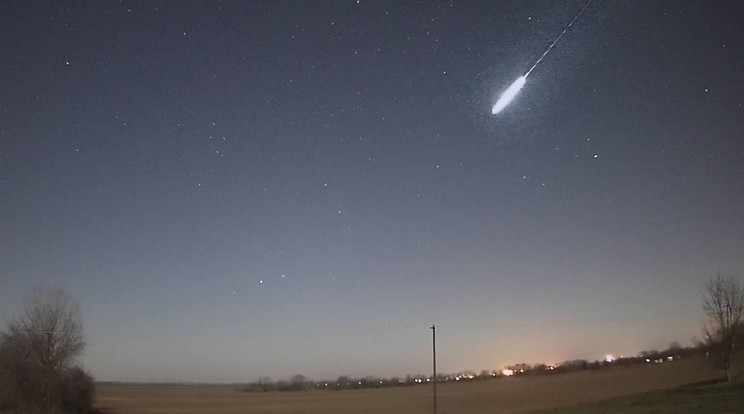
point(42, 345)
point(723, 304)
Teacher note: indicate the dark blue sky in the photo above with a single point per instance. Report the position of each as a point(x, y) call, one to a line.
point(235, 189)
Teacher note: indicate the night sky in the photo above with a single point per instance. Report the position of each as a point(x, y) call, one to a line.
point(244, 189)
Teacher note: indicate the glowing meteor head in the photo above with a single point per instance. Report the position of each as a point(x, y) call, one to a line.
point(508, 95)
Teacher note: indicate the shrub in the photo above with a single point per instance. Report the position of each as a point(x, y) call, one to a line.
point(78, 390)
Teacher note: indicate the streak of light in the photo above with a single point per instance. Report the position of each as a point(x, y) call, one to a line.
point(509, 94)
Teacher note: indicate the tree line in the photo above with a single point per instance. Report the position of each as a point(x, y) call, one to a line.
point(723, 332)
point(301, 383)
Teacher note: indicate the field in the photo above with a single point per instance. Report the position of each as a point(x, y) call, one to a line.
point(699, 399)
point(581, 393)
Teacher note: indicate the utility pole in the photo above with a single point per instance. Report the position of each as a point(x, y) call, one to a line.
point(434, 363)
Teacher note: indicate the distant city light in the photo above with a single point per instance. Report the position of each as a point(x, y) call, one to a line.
point(609, 358)
point(507, 372)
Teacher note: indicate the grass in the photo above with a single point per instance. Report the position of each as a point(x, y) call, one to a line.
point(702, 398)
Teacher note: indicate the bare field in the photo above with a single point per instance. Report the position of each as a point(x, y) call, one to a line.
point(507, 395)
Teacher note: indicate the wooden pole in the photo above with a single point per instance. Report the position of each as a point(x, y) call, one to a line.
point(434, 363)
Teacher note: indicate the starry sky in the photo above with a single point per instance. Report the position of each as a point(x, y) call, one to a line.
point(244, 189)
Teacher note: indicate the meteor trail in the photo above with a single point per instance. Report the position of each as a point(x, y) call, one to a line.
point(508, 95)
point(558, 38)
point(511, 92)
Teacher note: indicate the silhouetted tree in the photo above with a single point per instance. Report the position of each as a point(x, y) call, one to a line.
point(298, 382)
point(8, 387)
point(653, 353)
point(39, 349)
point(78, 390)
point(723, 303)
point(538, 368)
point(265, 384)
point(344, 382)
